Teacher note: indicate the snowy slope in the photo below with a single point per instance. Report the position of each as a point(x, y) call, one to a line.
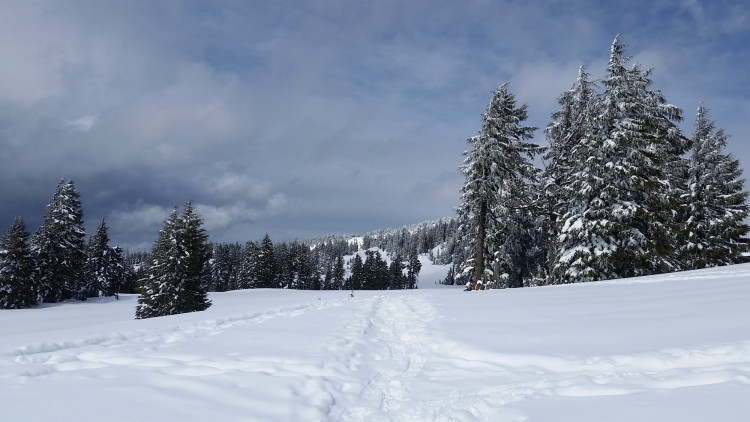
point(673, 347)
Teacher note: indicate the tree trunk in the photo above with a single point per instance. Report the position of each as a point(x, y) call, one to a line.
point(479, 247)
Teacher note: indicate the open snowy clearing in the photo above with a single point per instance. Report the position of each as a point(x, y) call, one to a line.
point(674, 347)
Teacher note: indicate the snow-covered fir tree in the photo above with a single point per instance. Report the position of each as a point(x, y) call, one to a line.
point(521, 259)
point(374, 271)
point(196, 253)
point(173, 282)
point(569, 127)
point(496, 168)
point(356, 278)
point(617, 224)
point(265, 264)
point(104, 269)
point(247, 272)
point(396, 273)
point(337, 274)
point(413, 267)
point(58, 247)
point(134, 265)
point(716, 206)
point(17, 288)
point(163, 276)
point(226, 262)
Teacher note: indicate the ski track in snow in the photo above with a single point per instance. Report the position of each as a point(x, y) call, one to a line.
point(520, 377)
point(390, 340)
point(389, 357)
point(102, 350)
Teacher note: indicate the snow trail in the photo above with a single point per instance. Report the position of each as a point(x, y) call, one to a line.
point(643, 348)
point(392, 356)
point(87, 352)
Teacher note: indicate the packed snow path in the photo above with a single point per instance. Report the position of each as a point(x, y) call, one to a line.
point(672, 347)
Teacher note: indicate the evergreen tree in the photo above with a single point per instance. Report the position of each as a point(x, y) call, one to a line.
point(58, 247)
point(617, 223)
point(396, 273)
point(226, 266)
point(522, 254)
point(285, 277)
point(17, 287)
point(163, 277)
point(248, 270)
point(716, 207)
point(375, 271)
point(356, 279)
point(134, 265)
point(327, 284)
point(265, 265)
point(338, 273)
point(413, 268)
point(197, 253)
point(569, 127)
point(174, 281)
point(115, 272)
point(496, 168)
point(104, 269)
point(382, 279)
point(450, 278)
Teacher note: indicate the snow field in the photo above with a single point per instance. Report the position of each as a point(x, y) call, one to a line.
point(674, 347)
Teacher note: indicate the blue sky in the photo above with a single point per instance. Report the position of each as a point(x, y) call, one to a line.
point(300, 118)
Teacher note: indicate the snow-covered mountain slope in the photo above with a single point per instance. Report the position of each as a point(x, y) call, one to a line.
point(673, 347)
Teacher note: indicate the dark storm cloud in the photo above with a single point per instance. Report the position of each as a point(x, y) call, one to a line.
point(306, 118)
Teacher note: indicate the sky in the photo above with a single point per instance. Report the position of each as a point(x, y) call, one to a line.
point(306, 118)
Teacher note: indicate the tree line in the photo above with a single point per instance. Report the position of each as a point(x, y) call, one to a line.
point(56, 263)
point(623, 191)
point(332, 264)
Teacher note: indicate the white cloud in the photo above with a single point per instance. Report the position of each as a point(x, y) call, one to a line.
point(221, 217)
point(276, 204)
point(82, 124)
point(232, 185)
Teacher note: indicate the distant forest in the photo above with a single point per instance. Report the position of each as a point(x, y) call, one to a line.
point(57, 263)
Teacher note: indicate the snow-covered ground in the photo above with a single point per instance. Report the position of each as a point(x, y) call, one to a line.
point(673, 347)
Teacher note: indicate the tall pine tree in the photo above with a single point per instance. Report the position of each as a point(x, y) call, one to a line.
point(197, 253)
point(248, 273)
point(357, 276)
point(337, 274)
point(618, 220)
point(104, 269)
point(569, 127)
point(496, 169)
point(17, 288)
point(266, 272)
point(58, 247)
point(716, 207)
point(396, 273)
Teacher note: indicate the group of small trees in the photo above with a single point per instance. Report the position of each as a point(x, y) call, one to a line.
point(623, 193)
point(55, 264)
point(374, 273)
point(174, 277)
point(298, 265)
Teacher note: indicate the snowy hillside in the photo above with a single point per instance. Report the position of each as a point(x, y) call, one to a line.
point(673, 347)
